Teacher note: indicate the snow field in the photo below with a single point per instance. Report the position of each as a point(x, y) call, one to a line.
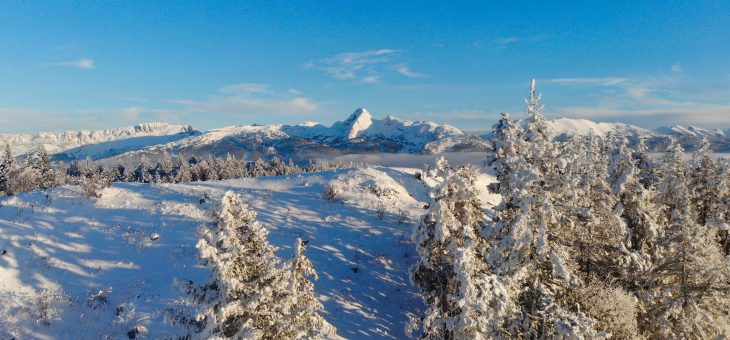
point(80, 269)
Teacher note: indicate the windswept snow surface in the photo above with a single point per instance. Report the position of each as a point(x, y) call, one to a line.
point(80, 269)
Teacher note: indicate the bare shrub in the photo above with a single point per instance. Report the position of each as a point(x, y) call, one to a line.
point(98, 299)
point(92, 188)
point(613, 308)
point(331, 192)
point(380, 210)
point(382, 191)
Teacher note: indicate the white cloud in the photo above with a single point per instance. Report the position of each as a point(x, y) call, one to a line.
point(503, 42)
point(648, 100)
point(250, 98)
point(703, 114)
point(366, 66)
point(605, 81)
point(245, 88)
point(354, 65)
point(89, 118)
point(406, 71)
point(84, 64)
point(677, 68)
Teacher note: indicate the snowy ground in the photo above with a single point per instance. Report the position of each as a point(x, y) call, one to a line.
point(72, 268)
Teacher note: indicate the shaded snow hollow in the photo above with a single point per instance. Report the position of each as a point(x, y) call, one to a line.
point(108, 265)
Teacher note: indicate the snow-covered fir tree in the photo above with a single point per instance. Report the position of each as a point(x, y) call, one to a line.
point(254, 297)
point(300, 307)
point(165, 168)
point(685, 295)
point(505, 153)
point(598, 229)
point(705, 183)
point(644, 163)
point(245, 273)
point(451, 273)
point(182, 172)
point(46, 174)
point(723, 202)
point(8, 170)
point(531, 249)
point(636, 207)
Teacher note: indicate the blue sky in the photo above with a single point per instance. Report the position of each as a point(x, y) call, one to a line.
point(70, 65)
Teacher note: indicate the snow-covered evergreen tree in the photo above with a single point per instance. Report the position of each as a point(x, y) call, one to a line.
point(142, 172)
point(300, 307)
point(166, 166)
point(530, 248)
point(44, 169)
point(505, 148)
point(645, 164)
point(686, 293)
point(705, 182)
point(451, 272)
point(599, 231)
point(254, 298)
point(183, 174)
point(723, 204)
point(8, 170)
point(636, 207)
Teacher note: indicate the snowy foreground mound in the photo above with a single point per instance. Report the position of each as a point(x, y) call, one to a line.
point(74, 268)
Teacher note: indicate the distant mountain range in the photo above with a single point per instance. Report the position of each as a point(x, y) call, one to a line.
point(656, 139)
point(359, 133)
point(96, 144)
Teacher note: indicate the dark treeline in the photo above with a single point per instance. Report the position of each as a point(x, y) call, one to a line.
point(38, 172)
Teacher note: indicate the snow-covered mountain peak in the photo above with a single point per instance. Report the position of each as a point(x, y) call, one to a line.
point(358, 121)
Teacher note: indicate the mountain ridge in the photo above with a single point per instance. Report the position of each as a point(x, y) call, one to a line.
point(360, 132)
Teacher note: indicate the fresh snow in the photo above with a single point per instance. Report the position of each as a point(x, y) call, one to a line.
point(107, 266)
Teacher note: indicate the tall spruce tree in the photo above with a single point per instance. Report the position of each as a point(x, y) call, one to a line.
point(531, 248)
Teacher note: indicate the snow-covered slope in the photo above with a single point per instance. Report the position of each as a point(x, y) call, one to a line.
point(99, 143)
point(71, 268)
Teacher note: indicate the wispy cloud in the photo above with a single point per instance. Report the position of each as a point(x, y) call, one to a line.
point(88, 118)
point(504, 42)
point(406, 70)
point(84, 64)
point(250, 98)
point(646, 100)
point(677, 68)
point(606, 81)
point(691, 113)
point(367, 66)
